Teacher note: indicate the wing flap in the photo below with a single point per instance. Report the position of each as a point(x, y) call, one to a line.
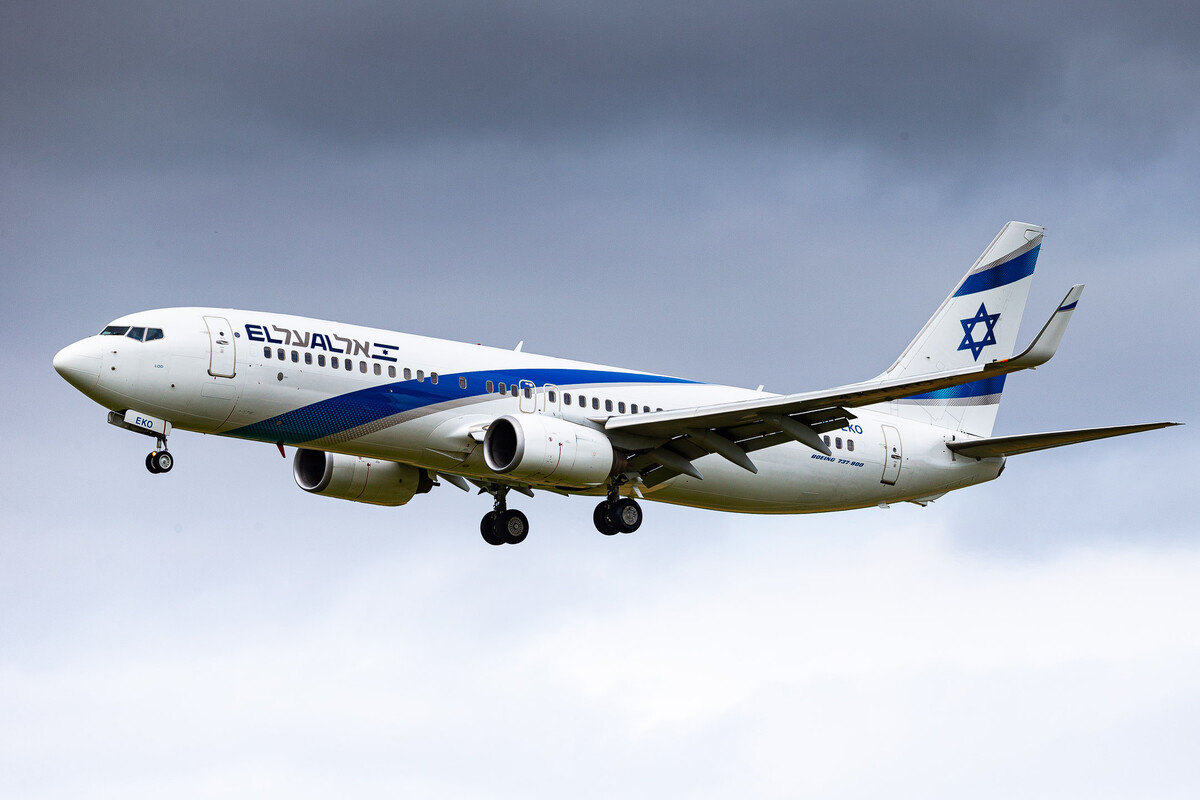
point(1031, 442)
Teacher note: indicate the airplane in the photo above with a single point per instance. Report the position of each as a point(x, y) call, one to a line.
point(379, 417)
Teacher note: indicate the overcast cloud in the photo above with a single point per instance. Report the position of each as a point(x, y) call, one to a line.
point(748, 193)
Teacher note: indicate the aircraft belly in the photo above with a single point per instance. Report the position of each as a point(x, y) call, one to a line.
point(789, 480)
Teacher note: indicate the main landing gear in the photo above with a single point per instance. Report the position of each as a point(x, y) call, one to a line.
point(617, 514)
point(160, 460)
point(503, 525)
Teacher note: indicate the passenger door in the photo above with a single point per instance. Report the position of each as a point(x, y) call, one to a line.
point(893, 455)
point(223, 359)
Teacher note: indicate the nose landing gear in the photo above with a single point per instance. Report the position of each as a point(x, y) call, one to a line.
point(159, 460)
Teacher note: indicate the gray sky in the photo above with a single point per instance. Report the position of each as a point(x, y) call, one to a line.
point(749, 193)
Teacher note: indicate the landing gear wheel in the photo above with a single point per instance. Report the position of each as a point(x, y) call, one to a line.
point(626, 515)
point(512, 526)
point(159, 461)
point(487, 527)
point(600, 517)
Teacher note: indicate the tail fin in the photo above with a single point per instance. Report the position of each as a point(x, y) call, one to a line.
point(976, 324)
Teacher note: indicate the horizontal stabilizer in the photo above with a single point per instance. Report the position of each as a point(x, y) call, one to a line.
point(1029, 442)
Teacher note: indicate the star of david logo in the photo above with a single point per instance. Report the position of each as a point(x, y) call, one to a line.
point(982, 317)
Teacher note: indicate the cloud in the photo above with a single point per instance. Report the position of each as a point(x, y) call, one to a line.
point(817, 659)
point(932, 83)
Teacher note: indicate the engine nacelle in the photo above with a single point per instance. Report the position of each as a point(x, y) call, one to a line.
point(363, 480)
point(537, 448)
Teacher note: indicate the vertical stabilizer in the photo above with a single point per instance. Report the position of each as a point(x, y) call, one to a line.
point(976, 324)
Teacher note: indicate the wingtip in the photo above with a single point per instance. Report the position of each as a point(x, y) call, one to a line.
point(1072, 299)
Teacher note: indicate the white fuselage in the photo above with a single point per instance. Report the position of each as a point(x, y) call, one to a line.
point(425, 402)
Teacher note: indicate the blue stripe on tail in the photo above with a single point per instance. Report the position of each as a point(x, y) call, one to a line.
point(1001, 274)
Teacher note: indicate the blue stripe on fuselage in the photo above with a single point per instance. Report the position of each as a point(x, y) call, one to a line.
point(980, 388)
point(353, 409)
point(1001, 274)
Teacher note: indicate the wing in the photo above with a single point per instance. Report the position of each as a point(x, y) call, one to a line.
point(668, 441)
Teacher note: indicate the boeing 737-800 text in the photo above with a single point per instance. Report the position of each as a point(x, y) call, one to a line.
point(380, 416)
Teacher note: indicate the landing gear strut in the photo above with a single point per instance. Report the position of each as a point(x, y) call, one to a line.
point(617, 514)
point(503, 525)
point(160, 460)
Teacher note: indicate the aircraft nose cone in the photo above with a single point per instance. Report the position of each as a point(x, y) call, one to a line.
point(79, 363)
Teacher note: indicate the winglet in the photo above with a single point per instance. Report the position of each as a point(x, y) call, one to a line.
point(1044, 345)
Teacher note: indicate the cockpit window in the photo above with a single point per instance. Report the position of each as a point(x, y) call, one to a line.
point(138, 333)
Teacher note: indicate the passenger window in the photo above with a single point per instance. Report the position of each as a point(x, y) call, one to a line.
point(838, 443)
point(503, 388)
point(646, 409)
point(153, 333)
point(462, 382)
point(114, 330)
point(295, 357)
point(551, 396)
point(136, 333)
point(567, 398)
point(596, 403)
point(608, 405)
point(349, 365)
point(378, 369)
point(321, 360)
point(528, 392)
point(362, 367)
point(407, 374)
point(513, 390)
point(621, 408)
point(266, 352)
point(433, 377)
point(658, 409)
point(582, 401)
point(333, 362)
point(825, 439)
point(633, 409)
point(308, 358)
point(849, 444)
point(391, 371)
point(491, 387)
point(420, 376)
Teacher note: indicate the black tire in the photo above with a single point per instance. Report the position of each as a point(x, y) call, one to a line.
point(512, 526)
point(487, 527)
point(626, 515)
point(163, 461)
point(150, 464)
point(601, 520)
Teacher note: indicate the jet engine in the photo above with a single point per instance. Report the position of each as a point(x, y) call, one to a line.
point(363, 480)
point(547, 449)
